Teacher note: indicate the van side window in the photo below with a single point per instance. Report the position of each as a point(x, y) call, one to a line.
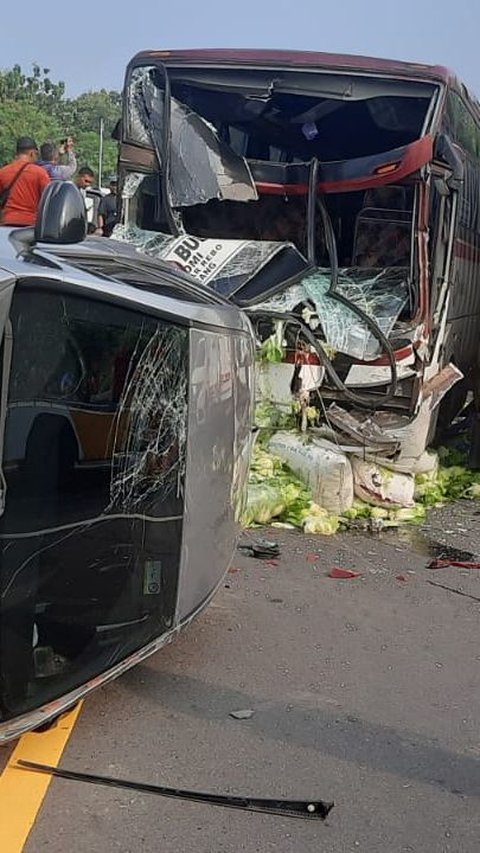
point(71, 349)
point(109, 382)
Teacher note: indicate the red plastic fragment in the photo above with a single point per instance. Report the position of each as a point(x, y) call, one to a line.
point(343, 574)
point(402, 578)
point(312, 558)
point(459, 564)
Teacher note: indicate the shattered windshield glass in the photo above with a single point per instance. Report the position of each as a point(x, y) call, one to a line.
point(201, 166)
point(137, 124)
point(381, 294)
point(225, 265)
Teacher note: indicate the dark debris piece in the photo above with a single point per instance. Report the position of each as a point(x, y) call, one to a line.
point(262, 549)
point(309, 809)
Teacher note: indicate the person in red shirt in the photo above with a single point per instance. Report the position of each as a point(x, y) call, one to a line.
point(24, 183)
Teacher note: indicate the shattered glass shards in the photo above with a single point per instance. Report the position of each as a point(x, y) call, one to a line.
point(138, 122)
point(152, 243)
point(284, 301)
point(149, 450)
point(225, 265)
point(131, 184)
point(381, 295)
point(201, 166)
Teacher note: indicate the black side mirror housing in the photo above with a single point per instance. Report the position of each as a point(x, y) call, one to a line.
point(61, 216)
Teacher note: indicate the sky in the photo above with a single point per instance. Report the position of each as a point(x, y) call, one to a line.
point(88, 44)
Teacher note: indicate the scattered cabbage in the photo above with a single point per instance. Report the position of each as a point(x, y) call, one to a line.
point(414, 514)
point(264, 503)
point(276, 494)
point(446, 484)
point(474, 491)
point(321, 525)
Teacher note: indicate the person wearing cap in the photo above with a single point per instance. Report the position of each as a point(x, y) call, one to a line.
point(107, 211)
point(21, 185)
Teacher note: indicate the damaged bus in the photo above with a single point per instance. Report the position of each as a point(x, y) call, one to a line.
point(336, 200)
point(126, 397)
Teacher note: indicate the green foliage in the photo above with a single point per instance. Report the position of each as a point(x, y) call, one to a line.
point(34, 105)
point(86, 147)
point(21, 118)
point(89, 108)
point(36, 88)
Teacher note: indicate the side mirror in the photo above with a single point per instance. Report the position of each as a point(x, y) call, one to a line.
point(61, 216)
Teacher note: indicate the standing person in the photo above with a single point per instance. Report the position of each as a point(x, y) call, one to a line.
point(107, 211)
point(84, 181)
point(49, 154)
point(21, 185)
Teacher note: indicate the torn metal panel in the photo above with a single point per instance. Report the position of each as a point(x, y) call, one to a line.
point(436, 387)
point(368, 374)
point(363, 430)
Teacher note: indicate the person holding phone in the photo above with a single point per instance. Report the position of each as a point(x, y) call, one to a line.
point(49, 157)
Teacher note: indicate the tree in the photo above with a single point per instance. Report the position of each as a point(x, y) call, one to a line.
point(21, 118)
point(87, 149)
point(35, 88)
point(90, 107)
point(34, 105)
point(87, 111)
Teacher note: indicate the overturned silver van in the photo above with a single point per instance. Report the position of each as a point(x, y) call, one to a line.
point(125, 441)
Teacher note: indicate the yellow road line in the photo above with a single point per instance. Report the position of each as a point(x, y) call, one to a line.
point(21, 791)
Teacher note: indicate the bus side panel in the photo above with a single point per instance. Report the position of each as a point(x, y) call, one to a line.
point(464, 309)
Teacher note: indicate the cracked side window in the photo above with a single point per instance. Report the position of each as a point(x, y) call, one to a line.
point(94, 460)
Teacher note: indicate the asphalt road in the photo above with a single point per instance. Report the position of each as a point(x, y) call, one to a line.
point(364, 691)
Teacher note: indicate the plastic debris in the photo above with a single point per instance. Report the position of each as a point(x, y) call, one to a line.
point(338, 573)
point(243, 714)
point(262, 549)
point(459, 564)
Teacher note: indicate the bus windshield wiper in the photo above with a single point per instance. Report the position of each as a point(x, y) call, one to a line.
point(310, 809)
